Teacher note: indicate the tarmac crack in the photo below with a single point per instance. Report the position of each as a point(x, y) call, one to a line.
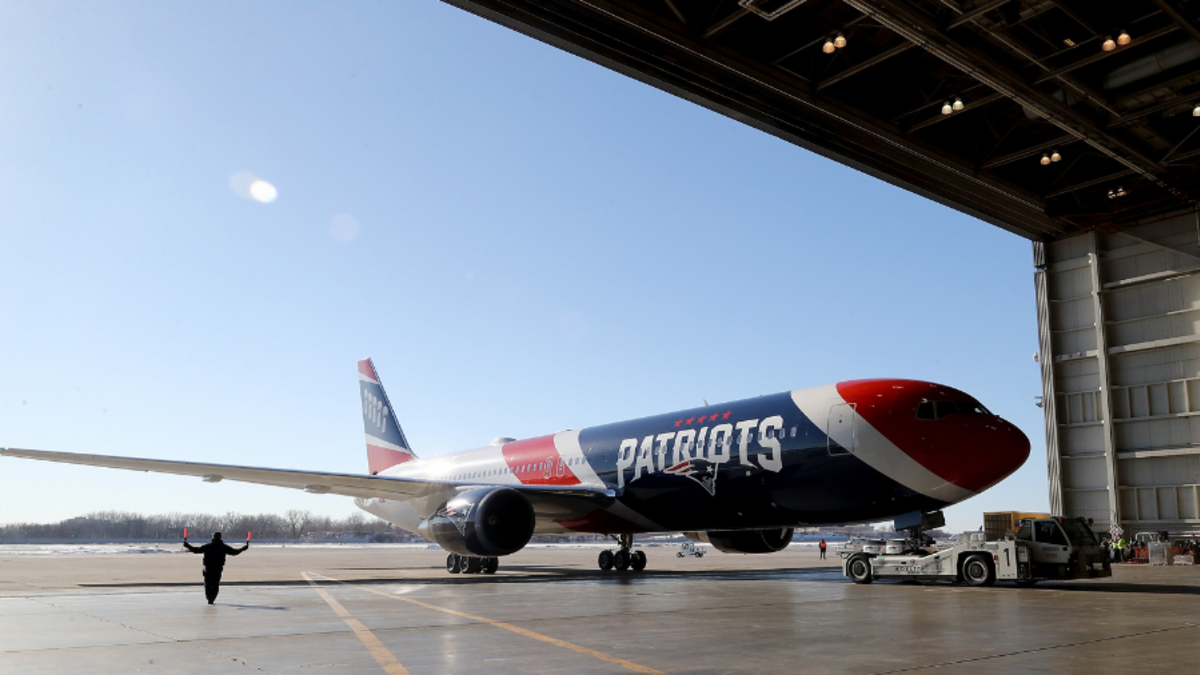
point(1049, 648)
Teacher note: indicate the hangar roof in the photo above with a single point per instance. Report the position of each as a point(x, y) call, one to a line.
point(1075, 114)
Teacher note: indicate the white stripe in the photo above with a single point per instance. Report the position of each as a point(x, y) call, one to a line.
point(874, 449)
point(567, 444)
point(364, 378)
point(379, 442)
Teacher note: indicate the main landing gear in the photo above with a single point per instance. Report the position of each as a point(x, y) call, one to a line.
point(625, 557)
point(466, 564)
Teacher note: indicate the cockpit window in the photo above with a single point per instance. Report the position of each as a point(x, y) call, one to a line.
point(972, 407)
point(936, 410)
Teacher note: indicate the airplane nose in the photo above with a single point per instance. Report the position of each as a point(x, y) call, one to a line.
point(961, 443)
point(983, 452)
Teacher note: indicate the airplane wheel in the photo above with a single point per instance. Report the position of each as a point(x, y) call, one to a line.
point(452, 563)
point(639, 561)
point(977, 572)
point(621, 560)
point(463, 562)
point(860, 570)
point(474, 565)
point(491, 565)
point(606, 560)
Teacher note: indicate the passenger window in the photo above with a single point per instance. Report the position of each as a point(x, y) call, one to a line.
point(945, 409)
point(793, 432)
point(925, 410)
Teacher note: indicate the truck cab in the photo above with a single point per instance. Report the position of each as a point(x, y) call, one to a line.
point(1044, 548)
point(1062, 548)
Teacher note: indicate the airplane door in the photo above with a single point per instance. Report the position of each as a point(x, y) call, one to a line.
point(842, 429)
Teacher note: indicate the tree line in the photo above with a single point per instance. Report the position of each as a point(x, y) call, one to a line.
point(293, 525)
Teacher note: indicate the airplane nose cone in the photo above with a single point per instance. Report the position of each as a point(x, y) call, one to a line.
point(943, 429)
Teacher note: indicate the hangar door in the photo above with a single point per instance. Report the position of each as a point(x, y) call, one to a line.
point(1119, 333)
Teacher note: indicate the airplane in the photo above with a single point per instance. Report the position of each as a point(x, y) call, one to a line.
point(740, 476)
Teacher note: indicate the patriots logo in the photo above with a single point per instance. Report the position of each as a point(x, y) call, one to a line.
point(702, 471)
point(457, 515)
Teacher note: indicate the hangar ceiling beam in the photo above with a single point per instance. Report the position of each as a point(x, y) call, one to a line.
point(970, 15)
point(859, 67)
point(900, 18)
point(1100, 55)
point(726, 22)
point(940, 117)
point(1031, 151)
point(675, 10)
point(1089, 183)
point(1172, 10)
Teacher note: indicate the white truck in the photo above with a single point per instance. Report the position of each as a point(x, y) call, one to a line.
point(1041, 549)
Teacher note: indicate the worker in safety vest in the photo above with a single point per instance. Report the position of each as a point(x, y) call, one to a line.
point(1119, 549)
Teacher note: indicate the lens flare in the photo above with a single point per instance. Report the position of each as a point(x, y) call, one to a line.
point(248, 186)
point(261, 190)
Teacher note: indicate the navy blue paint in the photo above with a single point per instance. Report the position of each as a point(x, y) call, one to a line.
point(814, 486)
point(390, 431)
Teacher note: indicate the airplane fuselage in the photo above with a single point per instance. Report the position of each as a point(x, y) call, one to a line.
point(851, 452)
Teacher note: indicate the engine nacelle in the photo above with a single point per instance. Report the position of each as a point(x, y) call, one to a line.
point(488, 521)
point(745, 541)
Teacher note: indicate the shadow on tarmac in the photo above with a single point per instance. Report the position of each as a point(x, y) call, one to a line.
point(541, 574)
point(519, 574)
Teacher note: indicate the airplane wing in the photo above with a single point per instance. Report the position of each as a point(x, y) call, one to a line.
point(316, 482)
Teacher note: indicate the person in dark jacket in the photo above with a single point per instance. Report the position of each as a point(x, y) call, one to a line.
point(214, 562)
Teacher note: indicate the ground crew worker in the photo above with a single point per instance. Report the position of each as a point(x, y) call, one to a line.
point(1119, 548)
point(822, 547)
point(214, 562)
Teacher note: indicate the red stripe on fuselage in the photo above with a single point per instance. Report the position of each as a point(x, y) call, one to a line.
point(535, 461)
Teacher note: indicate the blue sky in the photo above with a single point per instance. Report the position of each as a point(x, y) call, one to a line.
point(524, 241)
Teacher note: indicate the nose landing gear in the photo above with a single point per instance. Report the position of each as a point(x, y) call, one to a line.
point(624, 557)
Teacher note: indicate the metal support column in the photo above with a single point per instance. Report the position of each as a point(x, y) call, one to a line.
point(1110, 453)
point(1049, 390)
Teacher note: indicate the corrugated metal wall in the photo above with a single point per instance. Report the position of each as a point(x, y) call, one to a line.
point(1119, 333)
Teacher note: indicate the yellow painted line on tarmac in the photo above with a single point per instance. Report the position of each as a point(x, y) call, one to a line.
point(609, 658)
point(386, 660)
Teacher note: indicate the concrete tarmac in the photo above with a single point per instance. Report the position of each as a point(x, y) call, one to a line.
point(549, 610)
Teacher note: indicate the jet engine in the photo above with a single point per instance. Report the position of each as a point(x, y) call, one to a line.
point(745, 541)
point(490, 521)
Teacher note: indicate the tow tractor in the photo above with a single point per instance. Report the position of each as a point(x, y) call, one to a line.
point(1045, 548)
point(689, 549)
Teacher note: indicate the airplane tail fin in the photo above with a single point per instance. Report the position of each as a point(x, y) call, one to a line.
point(386, 444)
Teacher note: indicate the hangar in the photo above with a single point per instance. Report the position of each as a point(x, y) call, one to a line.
point(1072, 123)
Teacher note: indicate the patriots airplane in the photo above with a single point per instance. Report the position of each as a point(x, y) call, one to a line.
point(738, 475)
